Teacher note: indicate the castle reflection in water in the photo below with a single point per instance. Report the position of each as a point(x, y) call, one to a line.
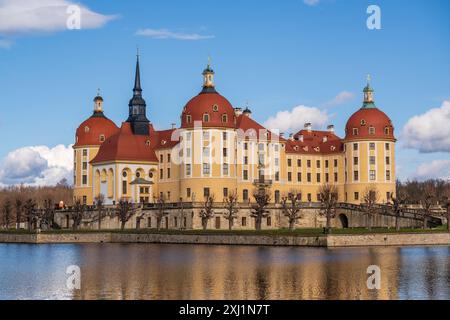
point(118, 271)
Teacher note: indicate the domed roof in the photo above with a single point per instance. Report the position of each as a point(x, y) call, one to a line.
point(126, 146)
point(209, 107)
point(212, 109)
point(95, 130)
point(369, 123)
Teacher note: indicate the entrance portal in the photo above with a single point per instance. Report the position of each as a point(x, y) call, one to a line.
point(344, 221)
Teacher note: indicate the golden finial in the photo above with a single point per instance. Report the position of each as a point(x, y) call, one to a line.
point(209, 61)
point(369, 78)
point(98, 92)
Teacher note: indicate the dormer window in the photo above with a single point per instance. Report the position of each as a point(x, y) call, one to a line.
point(355, 131)
point(363, 122)
point(386, 131)
point(224, 118)
point(147, 143)
point(188, 118)
point(215, 108)
point(86, 129)
point(206, 117)
point(371, 130)
point(102, 138)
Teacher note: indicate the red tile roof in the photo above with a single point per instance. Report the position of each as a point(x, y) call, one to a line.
point(89, 132)
point(363, 119)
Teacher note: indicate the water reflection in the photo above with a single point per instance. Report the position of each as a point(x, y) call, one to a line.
point(147, 271)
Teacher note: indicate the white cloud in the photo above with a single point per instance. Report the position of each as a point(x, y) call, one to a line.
point(5, 44)
point(37, 166)
point(167, 34)
point(429, 132)
point(341, 98)
point(31, 16)
point(294, 120)
point(437, 169)
point(311, 2)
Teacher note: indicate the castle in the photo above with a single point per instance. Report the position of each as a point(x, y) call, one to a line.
point(220, 149)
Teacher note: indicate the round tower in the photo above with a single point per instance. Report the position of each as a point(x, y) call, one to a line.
point(369, 146)
point(89, 137)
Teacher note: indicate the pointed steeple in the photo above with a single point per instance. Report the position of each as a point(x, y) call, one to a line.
point(137, 106)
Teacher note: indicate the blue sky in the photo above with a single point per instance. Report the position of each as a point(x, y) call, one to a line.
point(274, 54)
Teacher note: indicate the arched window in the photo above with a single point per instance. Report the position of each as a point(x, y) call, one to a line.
point(224, 118)
point(206, 117)
point(188, 118)
point(124, 174)
point(355, 131)
point(86, 129)
point(386, 131)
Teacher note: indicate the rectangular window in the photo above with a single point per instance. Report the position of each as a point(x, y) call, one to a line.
point(225, 152)
point(261, 147)
point(356, 175)
point(372, 160)
point(269, 221)
point(355, 147)
point(188, 152)
point(188, 136)
point(299, 176)
point(318, 163)
point(188, 169)
point(205, 192)
point(276, 148)
point(161, 158)
point(309, 197)
point(161, 174)
point(289, 176)
point(84, 152)
point(388, 160)
point(188, 192)
point(277, 176)
point(168, 157)
point(308, 163)
point(206, 168)
point(335, 177)
point(355, 161)
point(246, 146)
point(245, 195)
point(335, 163)
point(124, 187)
point(388, 175)
point(225, 169)
point(289, 162)
point(327, 177)
point(217, 222)
point(299, 162)
point(277, 162)
point(84, 165)
point(244, 221)
point(205, 135)
point(356, 195)
point(308, 177)
point(387, 146)
point(245, 175)
point(327, 164)
point(224, 136)
point(372, 146)
point(225, 192)
point(168, 173)
point(318, 178)
point(206, 151)
point(84, 179)
point(372, 175)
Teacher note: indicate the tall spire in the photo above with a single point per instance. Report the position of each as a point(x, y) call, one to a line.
point(137, 106)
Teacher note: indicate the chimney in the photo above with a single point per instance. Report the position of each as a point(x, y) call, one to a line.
point(308, 126)
point(237, 111)
point(330, 128)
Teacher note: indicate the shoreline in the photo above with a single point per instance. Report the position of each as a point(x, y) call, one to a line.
point(326, 241)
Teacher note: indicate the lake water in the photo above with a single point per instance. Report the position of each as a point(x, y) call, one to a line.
point(152, 271)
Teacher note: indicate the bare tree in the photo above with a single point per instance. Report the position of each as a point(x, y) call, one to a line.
point(445, 203)
point(125, 211)
point(259, 208)
point(370, 198)
point(78, 213)
point(292, 207)
point(19, 212)
point(207, 211)
point(427, 200)
point(99, 204)
point(49, 213)
point(398, 203)
point(31, 214)
point(328, 199)
point(7, 210)
point(231, 209)
point(161, 212)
